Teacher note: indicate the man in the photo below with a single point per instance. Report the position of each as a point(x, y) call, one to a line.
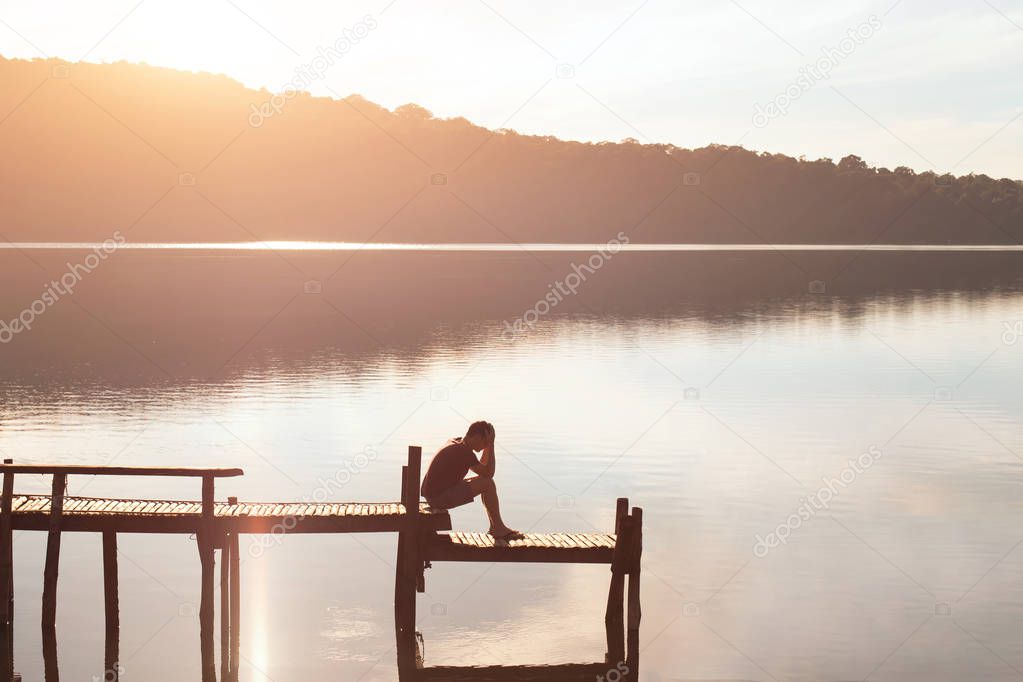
point(445, 485)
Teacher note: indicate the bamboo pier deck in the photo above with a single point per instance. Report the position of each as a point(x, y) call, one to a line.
point(574, 548)
point(424, 536)
point(98, 514)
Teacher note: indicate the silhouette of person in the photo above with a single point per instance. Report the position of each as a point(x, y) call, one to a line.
point(445, 485)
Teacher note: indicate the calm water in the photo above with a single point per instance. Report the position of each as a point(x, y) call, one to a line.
point(716, 394)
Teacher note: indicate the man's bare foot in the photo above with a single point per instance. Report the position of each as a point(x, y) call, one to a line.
point(505, 534)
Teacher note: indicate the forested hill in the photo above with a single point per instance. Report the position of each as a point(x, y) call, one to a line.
point(164, 155)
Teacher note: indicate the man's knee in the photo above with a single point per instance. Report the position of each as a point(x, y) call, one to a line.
point(487, 484)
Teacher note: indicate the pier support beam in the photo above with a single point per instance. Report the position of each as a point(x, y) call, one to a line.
point(634, 612)
point(7, 579)
point(111, 608)
point(409, 562)
point(614, 616)
point(50, 570)
point(206, 607)
point(225, 610)
point(236, 608)
point(230, 605)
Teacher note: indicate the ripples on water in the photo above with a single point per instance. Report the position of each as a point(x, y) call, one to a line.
point(714, 399)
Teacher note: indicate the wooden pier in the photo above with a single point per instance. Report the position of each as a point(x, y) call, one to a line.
point(423, 538)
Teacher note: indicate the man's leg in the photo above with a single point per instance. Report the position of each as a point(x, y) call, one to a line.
point(488, 489)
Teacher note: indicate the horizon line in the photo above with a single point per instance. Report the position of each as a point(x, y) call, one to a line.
point(566, 247)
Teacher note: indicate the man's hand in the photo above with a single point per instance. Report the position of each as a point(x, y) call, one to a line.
point(488, 462)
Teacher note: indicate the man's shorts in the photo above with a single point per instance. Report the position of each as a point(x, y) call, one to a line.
point(455, 496)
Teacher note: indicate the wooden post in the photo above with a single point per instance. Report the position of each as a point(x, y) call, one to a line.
point(408, 563)
point(614, 616)
point(399, 561)
point(206, 608)
point(111, 649)
point(228, 603)
point(50, 570)
point(7, 579)
point(225, 610)
point(634, 614)
point(236, 608)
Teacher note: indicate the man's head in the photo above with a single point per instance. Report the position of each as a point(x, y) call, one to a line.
point(479, 435)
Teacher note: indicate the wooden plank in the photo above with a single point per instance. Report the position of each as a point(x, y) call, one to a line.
point(112, 618)
point(50, 571)
point(205, 542)
point(189, 523)
point(7, 579)
point(565, 672)
point(587, 540)
point(634, 613)
point(466, 547)
point(91, 470)
point(566, 541)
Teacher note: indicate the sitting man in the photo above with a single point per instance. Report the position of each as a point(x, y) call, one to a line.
point(446, 487)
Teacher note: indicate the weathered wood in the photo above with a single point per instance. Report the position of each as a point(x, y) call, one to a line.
point(409, 562)
point(7, 579)
point(399, 584)
point(614, 616)
point(50, 571)
point(534, 548)
point(565, 672)
point(112, 618)
point(206, 541)
point(67, 469)
point(634, 611)
point(236, 608)
point(217, 526)
point(225, 609)
point(31, 512)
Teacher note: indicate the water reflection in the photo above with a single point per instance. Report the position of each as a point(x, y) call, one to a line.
point(146, 318)
point(696, 384)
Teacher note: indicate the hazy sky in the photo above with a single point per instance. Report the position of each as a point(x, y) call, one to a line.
point(932, 84)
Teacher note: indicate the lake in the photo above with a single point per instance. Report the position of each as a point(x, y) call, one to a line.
point(722, 391)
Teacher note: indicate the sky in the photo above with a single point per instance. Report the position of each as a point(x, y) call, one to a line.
point(933, 85)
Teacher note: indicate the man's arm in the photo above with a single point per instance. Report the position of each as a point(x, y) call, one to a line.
point(488, 463)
